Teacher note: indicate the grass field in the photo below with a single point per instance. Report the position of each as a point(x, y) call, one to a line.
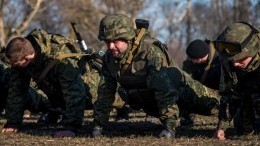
point(134, 132)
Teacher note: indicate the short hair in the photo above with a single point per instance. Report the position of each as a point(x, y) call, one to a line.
point(18, 48)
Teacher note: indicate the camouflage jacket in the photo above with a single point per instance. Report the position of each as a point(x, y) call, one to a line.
point(196, 71)
point(63, 84)
point(153, 69)
point(238, 81)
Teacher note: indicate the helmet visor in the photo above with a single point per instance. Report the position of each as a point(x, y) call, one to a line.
point(228, 48)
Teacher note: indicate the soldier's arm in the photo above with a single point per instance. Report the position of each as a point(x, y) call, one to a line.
point(106, 97)
point(74, 94)
point(19, 84)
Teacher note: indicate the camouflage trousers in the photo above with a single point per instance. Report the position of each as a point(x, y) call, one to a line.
point(197, 98)
point(193, 98)
point(37, 101)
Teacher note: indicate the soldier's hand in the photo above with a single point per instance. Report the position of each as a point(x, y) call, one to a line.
point(220, 135)
point(66, 133)
point(97, 131)
point(9, 130)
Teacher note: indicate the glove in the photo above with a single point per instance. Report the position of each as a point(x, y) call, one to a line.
point(97, 131)
point(167, 133)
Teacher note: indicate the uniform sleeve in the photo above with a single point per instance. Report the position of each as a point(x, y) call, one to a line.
point(186, 67)
point(73, 90)
point(19, 84)
point(159, 81)
point(106, 97)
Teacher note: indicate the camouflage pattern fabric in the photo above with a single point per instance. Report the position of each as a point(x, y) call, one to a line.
point(36, 101)
point(243, 83)
point(153, 82)
point(91, 78)
point(63, 84)
point(121, 28)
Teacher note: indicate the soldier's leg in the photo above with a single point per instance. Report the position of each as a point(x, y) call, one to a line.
point(201, 100)
point(168, 112)
point(37, 101)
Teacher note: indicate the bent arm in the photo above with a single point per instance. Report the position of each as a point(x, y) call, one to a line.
point(19, 84)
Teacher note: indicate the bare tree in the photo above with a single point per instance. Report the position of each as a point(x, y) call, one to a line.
point(86, 14)
point(16, 16)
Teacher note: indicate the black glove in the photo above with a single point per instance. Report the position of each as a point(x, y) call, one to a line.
point(97, 131)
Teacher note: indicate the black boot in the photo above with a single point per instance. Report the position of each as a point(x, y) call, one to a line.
point(122, 114)
point(168, 132)
point(48, 118)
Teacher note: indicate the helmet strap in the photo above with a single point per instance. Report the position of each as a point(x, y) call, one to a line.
point(130, 55)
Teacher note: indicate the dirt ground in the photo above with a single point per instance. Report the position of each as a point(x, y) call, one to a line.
point(137, 131)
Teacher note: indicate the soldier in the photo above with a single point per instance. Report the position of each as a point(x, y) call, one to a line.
point(239, 48)
point(204, 66)
point(203, 63)
point(34, 101)
point(147, 76)
point(46, 59)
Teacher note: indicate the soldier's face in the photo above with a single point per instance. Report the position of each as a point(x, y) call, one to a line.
point(199, 60)
point(117, 47)
point(23, 62)
point(242, 63)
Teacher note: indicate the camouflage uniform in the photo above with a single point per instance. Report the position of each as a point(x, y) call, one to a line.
point(35, 101)
point(240, 87)
point(196, 70)
point(152, 81)
point(63, 83)
point(91, 78)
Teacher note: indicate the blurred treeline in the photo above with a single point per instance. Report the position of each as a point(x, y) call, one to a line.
point(174, 22)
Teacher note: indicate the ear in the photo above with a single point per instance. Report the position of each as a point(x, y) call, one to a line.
point(30, 57)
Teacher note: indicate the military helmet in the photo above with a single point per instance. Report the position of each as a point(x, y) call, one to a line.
point(116, 26)
point(238, 40)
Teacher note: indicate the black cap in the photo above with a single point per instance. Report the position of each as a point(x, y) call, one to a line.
point(197, 49)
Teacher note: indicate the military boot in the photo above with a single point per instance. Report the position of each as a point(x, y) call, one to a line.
point(48, 118)
point(97, 131)
point(168, 129)
point(168, 132)
point(122, 114)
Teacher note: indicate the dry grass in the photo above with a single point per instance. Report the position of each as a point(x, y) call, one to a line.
point(135, 132)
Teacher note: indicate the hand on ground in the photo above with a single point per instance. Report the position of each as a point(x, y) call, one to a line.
point(220, 135)
point(9, 130)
